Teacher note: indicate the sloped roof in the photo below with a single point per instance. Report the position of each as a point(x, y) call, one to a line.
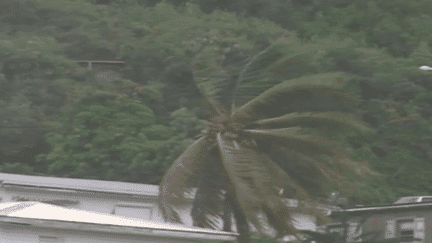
point(80, 184)
point(46, 212)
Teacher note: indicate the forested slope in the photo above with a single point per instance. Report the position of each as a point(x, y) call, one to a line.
point(60, 119)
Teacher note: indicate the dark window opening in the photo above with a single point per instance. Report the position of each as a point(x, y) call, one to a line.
point(405, 231)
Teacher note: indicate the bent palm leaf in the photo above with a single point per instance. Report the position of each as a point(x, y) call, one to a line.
point(253, 187)
point(247, 165)
point(207, 207)
point(174, 182)
point(321, 119)
point(331, 84)
point(295, 138)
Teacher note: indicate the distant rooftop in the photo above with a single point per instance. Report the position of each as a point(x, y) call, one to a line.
point(415, 199)
point(385, 208)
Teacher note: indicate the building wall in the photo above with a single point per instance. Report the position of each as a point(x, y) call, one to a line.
point(19, 234)
point(302, 222)
point(95, 202)
point(376, 222)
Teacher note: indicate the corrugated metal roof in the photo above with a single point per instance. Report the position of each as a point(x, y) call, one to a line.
point(80, 184)
point(42, 211)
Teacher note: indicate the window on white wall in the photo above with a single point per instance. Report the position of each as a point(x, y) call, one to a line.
point(406, 230)
point(134, 211)
point(335, 229)
point(354, 232)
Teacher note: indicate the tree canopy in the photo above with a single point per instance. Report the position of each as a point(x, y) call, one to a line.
point(378, 45)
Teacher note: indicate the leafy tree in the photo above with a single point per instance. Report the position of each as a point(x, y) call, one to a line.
point(396, 26)
point(107, 135)
point(160, 42)
point(257, 143)
point(33, 87)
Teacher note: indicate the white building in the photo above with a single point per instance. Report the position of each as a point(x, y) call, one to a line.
point(35, 222)
point(117, 198)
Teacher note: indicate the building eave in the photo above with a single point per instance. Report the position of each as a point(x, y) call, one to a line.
point(83, 185)
point(114, 229)
point(61, 191)
point(382, 209)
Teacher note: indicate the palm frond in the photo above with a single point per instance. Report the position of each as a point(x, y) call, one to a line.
point(173, 185)
point(300, 58)
point(284, 181)
point(211, 78)
point(331, 84)
point(248, 67)
point(283, 60)
point(254, 187)
point(207, 207)
point(301, 188)
point(295, 138)
point(242, 175)
point(292, 57)
point(208, 204)
point(331, 172)
point(319, 159)
point(276, 212)
point(254, 83)
point(252, 79)
point(306, 179)
point(270, 187)
point(327, 168)
point(322, 119)
point(278, 216)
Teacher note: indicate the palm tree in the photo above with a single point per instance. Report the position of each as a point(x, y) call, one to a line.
point(259, 147)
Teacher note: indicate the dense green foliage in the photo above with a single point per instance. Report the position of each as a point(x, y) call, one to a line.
point(380, 44)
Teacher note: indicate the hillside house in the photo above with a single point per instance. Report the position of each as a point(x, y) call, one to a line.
point(106, 72)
